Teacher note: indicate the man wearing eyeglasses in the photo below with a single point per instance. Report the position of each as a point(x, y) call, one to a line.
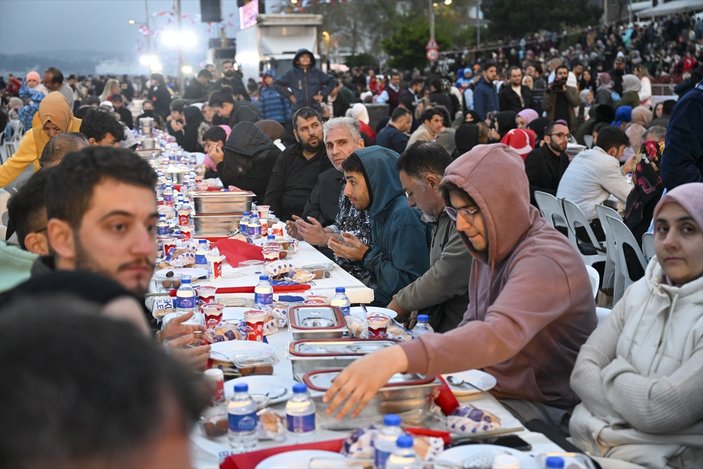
point(531, 304)
point(546, 165)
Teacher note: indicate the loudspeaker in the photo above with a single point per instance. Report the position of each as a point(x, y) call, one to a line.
point(211, 11)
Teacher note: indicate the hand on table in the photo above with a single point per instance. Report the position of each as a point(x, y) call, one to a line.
point(408, 318)
point(359, 382)
point(311, 231)
point(193, 357)
point(292, 229)
point(175, 328)
point(349, 247)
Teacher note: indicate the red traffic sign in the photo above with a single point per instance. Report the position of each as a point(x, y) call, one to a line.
point(432, 44)
point(432, 55)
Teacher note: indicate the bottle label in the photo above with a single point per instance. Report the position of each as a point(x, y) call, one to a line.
point(242, 423)
point(346, 310)
point(263, 298)
point(200, 259)
point(185, 302)
point(300, 423)
point(380, 458)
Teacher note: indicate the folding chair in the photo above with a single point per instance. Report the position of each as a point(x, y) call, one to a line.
point(622, 237)
point(592, 251)
point(551, 210)
point(648, 246)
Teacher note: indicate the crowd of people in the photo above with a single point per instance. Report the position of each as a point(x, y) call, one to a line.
point(431, 204)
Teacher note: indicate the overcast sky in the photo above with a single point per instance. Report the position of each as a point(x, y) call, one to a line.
point(28, 26)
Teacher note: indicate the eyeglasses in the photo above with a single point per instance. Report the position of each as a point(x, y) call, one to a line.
point(467, 212)
point(560, 135)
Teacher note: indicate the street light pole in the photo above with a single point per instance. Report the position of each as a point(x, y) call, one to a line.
point(148, 29)
point(431, 20)
point(181, 81)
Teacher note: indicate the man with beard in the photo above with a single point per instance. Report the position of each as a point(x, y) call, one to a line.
point(233, 81)
point(104, 221)
point(561, 99)
point(546, 165)
point(295, 174)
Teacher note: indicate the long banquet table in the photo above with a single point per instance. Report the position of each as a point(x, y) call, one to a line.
point(208, 453)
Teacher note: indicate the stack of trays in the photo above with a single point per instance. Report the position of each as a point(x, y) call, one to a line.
point(218, 213)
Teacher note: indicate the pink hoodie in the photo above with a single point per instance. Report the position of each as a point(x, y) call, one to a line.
point(531, 303)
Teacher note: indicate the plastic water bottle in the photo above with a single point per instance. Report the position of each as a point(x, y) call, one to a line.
point(185, 296)
point(263, 292)
point(271, 249)
point(242, 419)
point(300, 412)
point(403, 456)
point(254, 227)
point(244, 224)
point(554, 462)
point(385, 440)
point(423, 326)
point(200, 252)
point(341, 300)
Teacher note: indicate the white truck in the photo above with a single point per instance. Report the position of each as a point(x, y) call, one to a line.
point(273, 41)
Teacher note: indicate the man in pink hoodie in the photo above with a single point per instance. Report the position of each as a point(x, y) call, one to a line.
point(531, 310)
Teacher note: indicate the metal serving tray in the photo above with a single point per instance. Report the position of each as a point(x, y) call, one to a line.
point(408, 393)
point(318, 354)
point(316, 322)
point(216, 225)
point(220, 202)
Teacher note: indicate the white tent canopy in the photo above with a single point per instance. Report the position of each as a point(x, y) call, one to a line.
point(677, 6)
point(637, 7)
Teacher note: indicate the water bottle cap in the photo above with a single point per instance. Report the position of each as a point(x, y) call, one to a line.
point(340, 289)
point(271, 237)
point(254, 216)
point(404, 441)
point(202, 241)
point(423, 318)
point(555, 462)
point(264, 277)
point(391, 420)
point(299, 388)
point(185, 279)
point(241, 387)
point(245, 214)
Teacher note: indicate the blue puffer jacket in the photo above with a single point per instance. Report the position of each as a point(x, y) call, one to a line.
point(305, 83)
point(398, 252)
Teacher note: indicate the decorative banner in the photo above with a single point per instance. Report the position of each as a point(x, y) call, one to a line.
point(248, 14)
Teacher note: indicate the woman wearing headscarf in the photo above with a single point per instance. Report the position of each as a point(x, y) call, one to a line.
point(647, 182)
point(641, 117)
point(359, 113)
point(631, 86)
point(605, 93)
point(187, 137)
point(639, 374)
point(55, 117)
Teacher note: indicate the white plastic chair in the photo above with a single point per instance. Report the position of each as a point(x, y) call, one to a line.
point(4, 197)
point(551, 209)
point(609, 272)
point(622, 236)
point(648, 246)
point(594, 277)
point(592, 251)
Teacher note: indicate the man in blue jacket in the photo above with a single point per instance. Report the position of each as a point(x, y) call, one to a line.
point(682, 160)
point(485, 96)
point(304, 84)
point(398, 253)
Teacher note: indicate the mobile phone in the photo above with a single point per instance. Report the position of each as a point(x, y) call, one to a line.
point(513, 441)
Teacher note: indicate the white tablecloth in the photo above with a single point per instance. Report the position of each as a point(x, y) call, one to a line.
point(207, 453)
point(307, 255)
